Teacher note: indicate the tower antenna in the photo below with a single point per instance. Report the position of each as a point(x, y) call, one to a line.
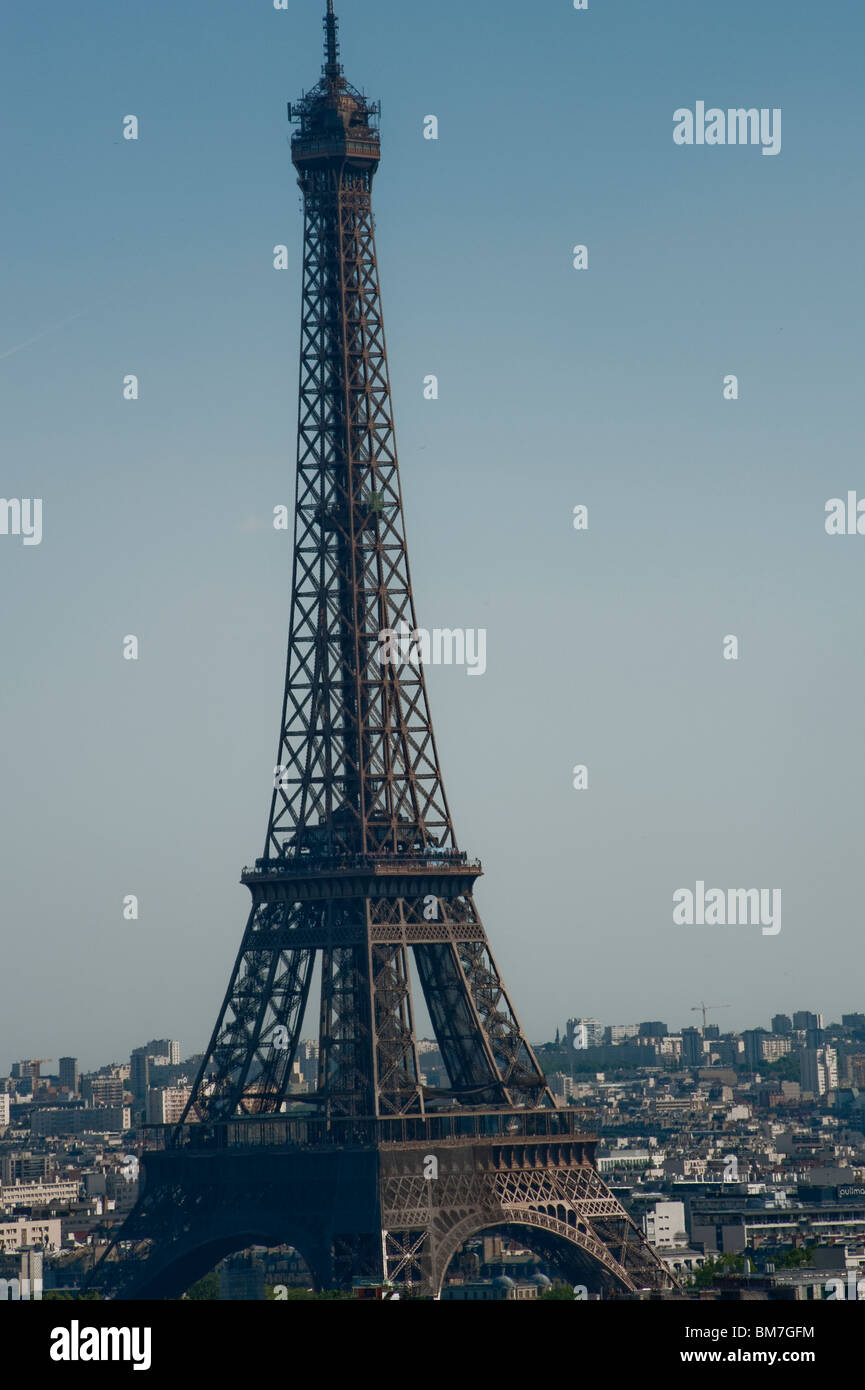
point(332, 68)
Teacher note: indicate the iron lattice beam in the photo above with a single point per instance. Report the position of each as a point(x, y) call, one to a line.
point(361, 869)
point(358, 776)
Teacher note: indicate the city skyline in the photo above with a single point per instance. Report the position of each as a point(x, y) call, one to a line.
point(90, 1064)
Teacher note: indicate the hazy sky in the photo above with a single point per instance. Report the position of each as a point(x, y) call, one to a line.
point(557, 387)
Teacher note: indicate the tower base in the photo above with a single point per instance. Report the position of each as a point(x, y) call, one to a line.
point(389, 1209)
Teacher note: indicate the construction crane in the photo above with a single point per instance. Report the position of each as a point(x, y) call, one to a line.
point(704, 1009)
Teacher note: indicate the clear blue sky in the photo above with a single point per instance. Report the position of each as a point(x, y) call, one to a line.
point(556, 387)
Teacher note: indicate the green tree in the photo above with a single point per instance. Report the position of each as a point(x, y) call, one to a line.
point(785, 1069)
point(715, 1266)
point(795, 1257)
point(206, 1290)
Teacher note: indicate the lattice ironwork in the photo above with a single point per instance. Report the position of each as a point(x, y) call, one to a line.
point(361, 871)
point(359, 837)
point(549, 1188)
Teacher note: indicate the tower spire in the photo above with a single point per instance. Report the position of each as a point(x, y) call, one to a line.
point(332, 68)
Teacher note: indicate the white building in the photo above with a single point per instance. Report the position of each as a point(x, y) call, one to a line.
point(636, 1160)
point(585, 1032)
point(664, 1226)
point(682, 1260)
point(562, 1085)
point(819, 1070)
point(4, 1109)
point(62, 1192)
point(166, 1104)
point(620, 1032)
point(20, 1234)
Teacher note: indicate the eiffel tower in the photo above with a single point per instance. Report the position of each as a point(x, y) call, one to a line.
point(374, 1175)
